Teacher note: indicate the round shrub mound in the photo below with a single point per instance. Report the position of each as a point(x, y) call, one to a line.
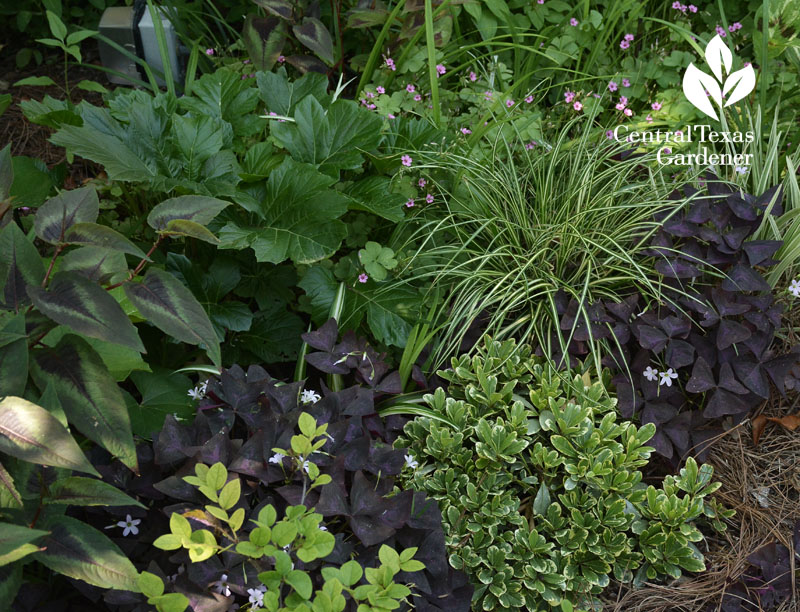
point(540, 486)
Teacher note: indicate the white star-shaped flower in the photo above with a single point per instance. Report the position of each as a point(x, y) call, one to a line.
point(256, 598)
point(794, 288)
point(221, 586)
point(277, 458)
point(667, 377)
point(128, 526)
point(323, 528)
point(309, 396)
point(303, 464)
point(411, 462)
point(650, 373)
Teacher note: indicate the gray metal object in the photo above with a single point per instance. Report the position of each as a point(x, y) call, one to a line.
point(152, 55)
point(117, 24)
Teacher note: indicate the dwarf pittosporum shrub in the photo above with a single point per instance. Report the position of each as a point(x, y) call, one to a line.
point(331, 468)
point(540, 486)
point(705, 352)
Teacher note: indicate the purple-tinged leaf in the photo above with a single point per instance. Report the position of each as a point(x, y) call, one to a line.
point(680, 228)
point(700, 211)
point(765, 198)
point(651, 338)
point(735, 237)
point(280, 8)
point(658, 413)
point(324, 338)
point(58, 214)
point(678, 430)
point(171, 441)
point(679, 354)
point(728, 381)
point(702, 378)
point(752, 376)
point(676, 269)
point(759, 251)
point(744, 278)
point(726, 303)
point(742, 208)
point(730, 333)
point(676, 326)
point(662, 444)
point(313, 34)
point(779, 367)
point(724, 402)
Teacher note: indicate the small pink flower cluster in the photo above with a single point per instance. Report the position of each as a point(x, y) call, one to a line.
point(573, 22)
point(389, 63)
point(626, 41)
point(683, 8)
point(721, 31)
point(622, 106)
point(734, 26)
point(440, 69)
point(530, 145)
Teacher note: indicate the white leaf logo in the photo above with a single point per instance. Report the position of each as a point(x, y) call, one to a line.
point(701, 88)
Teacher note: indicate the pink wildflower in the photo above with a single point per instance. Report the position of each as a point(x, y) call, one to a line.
point(429, 198)
point(363, 278)
point(410, 203)
point(440, 69)
point(509, 103)
point(406, 160)
point(656, 106)
point(577, 106)
point(624, 44)
point(410, 88)
point(612, 86)
point(473, 77)
point(380, 89)
point(573, 22)
point(529, 99)
point(626, 83)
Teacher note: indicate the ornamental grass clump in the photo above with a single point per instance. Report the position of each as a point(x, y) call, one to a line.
point(540, 486)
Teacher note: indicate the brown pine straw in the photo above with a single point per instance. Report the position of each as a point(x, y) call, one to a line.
point(741, 467)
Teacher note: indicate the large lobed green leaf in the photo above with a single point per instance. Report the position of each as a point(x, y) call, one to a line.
point(171, 307)
point(82, 552)
point(88, 394)
point(282, 95)
point(73, 300)
point(332, 140)
point(31, 433)
point(297, 218)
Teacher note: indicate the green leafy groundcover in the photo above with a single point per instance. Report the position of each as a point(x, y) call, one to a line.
point(540, 485)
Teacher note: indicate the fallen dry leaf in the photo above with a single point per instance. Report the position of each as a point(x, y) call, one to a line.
point(790, 422)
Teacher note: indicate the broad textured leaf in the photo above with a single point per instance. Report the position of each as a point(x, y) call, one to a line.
point(199, 209)
point(13, 357)
point(263, 38)
point(198, 138)
point(20, 266)
point(100, 142)
point(373, 194)
point(171, 307)
point(30, 433)
point(331, 140)
point(82, 491)
point(313, 34)
point(88, 394)
point(389, 313)
point(274, 335)
point(13, 537)
point(73, 300)
point(9, 496)
point(282, 95)
point(163, 393)
point(58, 214)
point(320, 287)
point(82, 552)
point(95, 263)
point(299, 218)
point(94, 234)
point(222, 95)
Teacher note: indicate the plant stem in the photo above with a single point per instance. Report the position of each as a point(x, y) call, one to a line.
point(139, 267)
point(58, 250)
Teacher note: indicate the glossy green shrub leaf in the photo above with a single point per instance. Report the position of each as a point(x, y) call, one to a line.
point(171, 307)
point(199, 209)
point(30, 433)
point(94, 234)
point(82, 552)
point(13, 356)
point(81, 491)
point(20, 266)
point(88, 394)
point(72, 300)
point(58, 214)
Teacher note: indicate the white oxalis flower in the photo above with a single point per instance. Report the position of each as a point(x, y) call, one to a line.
point(667, 377)
point(794, 288)
point(309, 396)
point(222, 587)
point(128, 526)
point(277, 458)
point(411, 462)
point(650, 373)
point(256, 598)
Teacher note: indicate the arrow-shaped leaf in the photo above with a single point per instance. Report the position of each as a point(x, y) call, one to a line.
point(79, 551)
point(20, 266)
point(58, 214)
point(14, 538)
point(171, 307)
point(30, 433)
point(73, 300)
point(89, 395)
